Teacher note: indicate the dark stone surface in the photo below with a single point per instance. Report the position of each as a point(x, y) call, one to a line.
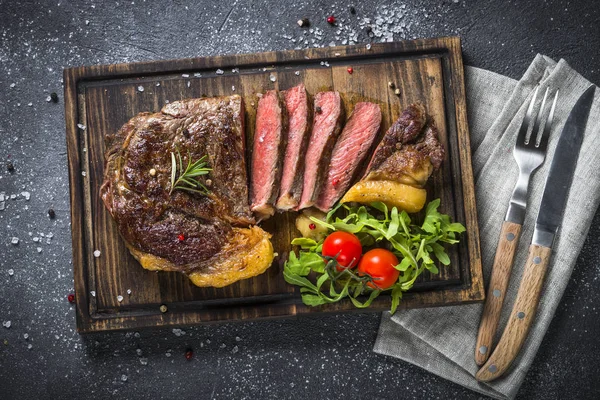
point(310, 357)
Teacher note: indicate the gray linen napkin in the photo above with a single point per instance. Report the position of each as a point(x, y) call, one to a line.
point(442, 340)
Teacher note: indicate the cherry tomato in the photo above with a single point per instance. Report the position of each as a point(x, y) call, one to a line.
point(346, 246)
point(379, 264)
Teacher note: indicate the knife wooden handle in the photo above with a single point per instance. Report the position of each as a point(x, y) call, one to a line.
point(505, 255)
point(522, 315)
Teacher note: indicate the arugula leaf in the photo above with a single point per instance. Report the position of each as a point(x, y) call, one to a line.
point(304, 243)
point(396, 297)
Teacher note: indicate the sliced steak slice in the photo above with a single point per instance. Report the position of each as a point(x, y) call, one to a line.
point(349, 152)
point(328, 120)
point(267, 154)
point(405, 129)
point(299, 116)
point(204, 236)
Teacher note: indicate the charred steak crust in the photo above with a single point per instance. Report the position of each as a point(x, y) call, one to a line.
point(181, 231)
point(267, 154)
point(410, 150)
point(405, 129)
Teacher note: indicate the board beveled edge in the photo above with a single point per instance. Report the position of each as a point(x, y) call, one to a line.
point(86, 322)
point(476, 289)
point(80, 267)
point(406, 47)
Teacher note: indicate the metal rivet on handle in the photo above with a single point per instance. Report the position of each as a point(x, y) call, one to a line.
point(510, 237)
point(537, 260)
point(483, 349)
point(520, 315)
point(497, 293)
point(492, 368)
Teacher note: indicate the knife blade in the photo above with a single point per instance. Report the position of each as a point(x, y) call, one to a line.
point(561, 172)
point(549, 220)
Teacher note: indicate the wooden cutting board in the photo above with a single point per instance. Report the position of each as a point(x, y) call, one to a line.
point(114, 292)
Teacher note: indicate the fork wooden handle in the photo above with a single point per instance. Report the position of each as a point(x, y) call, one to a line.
point(505, 254)
point(521, 317)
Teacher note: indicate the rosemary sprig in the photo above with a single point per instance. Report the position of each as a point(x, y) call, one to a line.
point(185, 180)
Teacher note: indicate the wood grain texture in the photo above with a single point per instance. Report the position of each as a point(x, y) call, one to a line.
point(104, 97)
point(521, 317)
point(501, 270)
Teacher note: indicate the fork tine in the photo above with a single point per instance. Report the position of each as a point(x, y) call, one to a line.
point(548, 125)
point(521, 138)
point(536, 133)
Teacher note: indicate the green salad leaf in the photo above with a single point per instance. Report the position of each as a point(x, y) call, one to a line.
point(419, 247)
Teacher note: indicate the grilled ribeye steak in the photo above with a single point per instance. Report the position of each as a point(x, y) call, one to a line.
point(327, 126)
point(409, 152)
point(299, 114)
point(349, 152)
point(267, 152)
point(204, 236)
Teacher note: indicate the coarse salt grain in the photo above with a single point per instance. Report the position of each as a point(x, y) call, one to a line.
point(140, 88)
point(39, 249)
point(297, 73)
point(81, 126)
point(124, 378)
point(11, 272)
point(185, 75)
point(129, 291)
point(272, 78)
point(93, 293)
point(119, 298)
point(6, 324)
point(15, 240)
point(96, 253)
point(220, 72)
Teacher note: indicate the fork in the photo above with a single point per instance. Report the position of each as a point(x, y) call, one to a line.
point(529, 153)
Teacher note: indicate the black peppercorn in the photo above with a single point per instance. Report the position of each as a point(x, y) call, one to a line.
point(51, 213)
point(368, 29)
point(54, 97)
point(318, 110)
point(186, 133)
point(352, 10)
point(303, 23)
point(10, 167)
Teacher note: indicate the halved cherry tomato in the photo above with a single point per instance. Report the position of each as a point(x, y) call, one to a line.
point(345, 246)
point(379, 264)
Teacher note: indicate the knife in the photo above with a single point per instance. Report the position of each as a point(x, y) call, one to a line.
point(548, 222)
